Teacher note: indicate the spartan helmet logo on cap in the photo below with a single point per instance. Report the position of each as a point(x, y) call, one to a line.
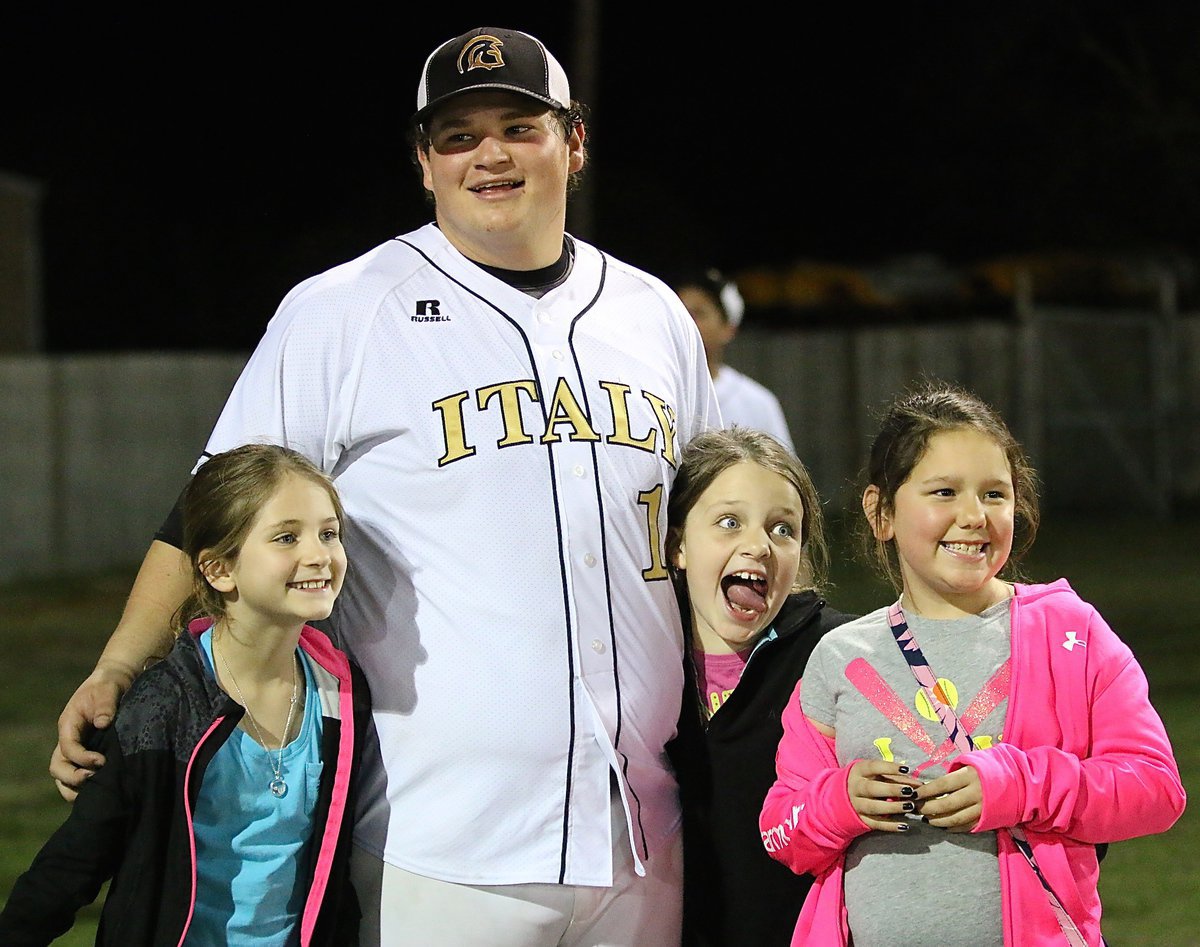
point(480, 52)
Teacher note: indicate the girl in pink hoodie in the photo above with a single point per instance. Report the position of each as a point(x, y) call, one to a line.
point(955, 758)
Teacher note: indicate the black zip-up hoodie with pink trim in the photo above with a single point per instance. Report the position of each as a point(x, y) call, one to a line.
point(132, 821)
point(734, 892)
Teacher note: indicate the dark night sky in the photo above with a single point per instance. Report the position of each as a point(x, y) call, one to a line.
point(193, 170)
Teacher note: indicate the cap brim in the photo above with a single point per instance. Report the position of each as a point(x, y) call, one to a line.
point(419, 117)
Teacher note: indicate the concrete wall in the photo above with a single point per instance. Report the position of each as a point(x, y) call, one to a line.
point(831, 381)
point(1108, 404)
point(94, 449)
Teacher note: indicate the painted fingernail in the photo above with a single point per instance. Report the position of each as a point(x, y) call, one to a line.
point(907, 791)
point(908, 806)
point(904, 770)
point(902, 827)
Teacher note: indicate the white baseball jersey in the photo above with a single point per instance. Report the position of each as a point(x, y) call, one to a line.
point(747, 403)
point(504, 463)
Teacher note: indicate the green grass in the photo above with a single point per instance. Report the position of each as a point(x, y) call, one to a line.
point(53, 633)
point(1143, 576)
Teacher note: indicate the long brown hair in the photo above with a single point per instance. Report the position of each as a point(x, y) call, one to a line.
point(219, 507)
point(907, 426)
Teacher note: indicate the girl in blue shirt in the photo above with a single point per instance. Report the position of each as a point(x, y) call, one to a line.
point(223, 811)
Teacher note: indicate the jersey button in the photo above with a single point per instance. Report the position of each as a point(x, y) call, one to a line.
point(544, 318)
point(558, 355)
point(589, 560)
point(598, 646)
point(577, 470)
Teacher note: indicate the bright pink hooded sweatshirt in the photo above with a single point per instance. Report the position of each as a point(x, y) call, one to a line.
point(1084, 759)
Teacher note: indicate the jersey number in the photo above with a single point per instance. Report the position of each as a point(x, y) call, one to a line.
point(652, 501)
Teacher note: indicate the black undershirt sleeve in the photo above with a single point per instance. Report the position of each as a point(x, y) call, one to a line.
point(171, 531)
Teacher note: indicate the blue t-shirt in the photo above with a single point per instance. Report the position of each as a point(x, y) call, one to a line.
point(252, 848)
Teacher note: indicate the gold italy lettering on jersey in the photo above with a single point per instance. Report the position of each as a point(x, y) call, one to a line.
point(565, 418)
point(453, 431)
point(565, 409)
point(510, 409)
point(617, 397)
point(666, 420)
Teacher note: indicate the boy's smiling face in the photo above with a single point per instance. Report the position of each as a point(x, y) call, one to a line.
point(497, 165)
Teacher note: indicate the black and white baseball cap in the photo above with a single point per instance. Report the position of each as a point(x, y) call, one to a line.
point(721, 287)
point(491, 58)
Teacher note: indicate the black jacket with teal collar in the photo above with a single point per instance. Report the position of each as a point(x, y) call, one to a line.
point(132, 822)
point(734, 892)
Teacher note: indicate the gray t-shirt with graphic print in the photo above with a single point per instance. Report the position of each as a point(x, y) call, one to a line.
point(926, 884)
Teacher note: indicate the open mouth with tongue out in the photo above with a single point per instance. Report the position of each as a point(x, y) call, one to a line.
point(746, 594)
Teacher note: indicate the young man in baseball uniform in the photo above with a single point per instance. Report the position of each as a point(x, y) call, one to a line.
point(502, 407)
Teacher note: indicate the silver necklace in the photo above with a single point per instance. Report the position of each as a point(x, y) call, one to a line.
point(277, 785)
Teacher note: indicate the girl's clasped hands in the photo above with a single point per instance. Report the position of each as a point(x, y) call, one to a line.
point(886, 794)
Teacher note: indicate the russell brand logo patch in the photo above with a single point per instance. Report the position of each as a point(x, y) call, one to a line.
point(428, 310)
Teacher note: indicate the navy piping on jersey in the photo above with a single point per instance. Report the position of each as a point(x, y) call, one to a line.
point(608, 595)
point(561, 547)
point(562, 868)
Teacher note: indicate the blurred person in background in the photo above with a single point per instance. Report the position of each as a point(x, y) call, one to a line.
point(715, 303)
